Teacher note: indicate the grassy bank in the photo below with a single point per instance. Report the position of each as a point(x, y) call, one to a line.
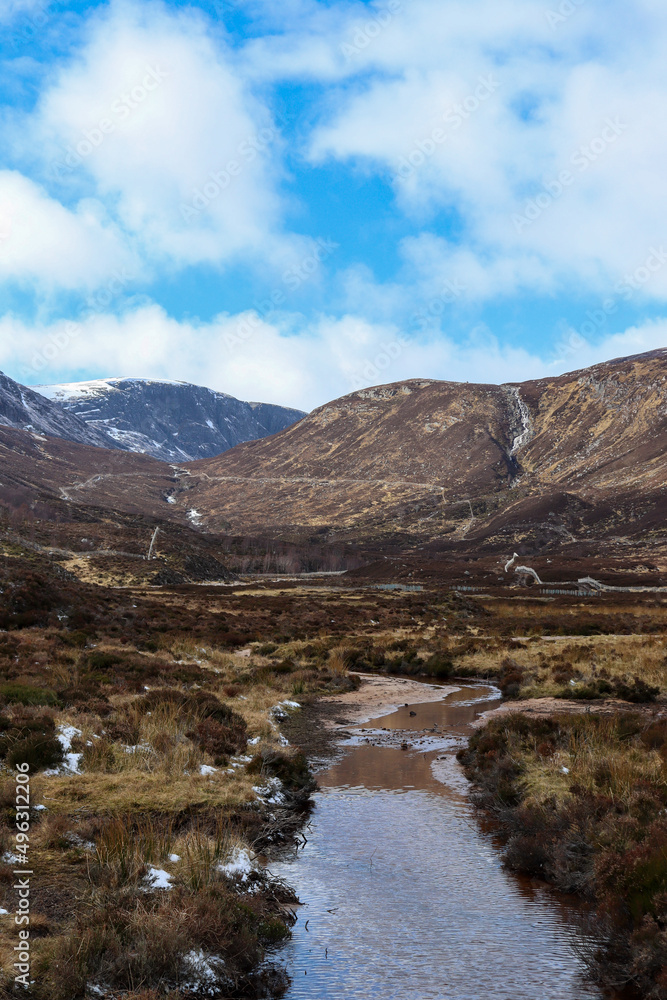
point(628, 668)
point(156, 778)
point(582, 802)
point(149, 717)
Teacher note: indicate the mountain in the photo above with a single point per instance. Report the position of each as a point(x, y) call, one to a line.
point(172, 421)
point(25, 409)
point(573, 467)
point(555, 458)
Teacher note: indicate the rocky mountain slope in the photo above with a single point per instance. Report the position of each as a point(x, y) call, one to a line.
point(443, 458)
point(35, 468)
point(172, 421)
point(25, 409)
point(574, 465)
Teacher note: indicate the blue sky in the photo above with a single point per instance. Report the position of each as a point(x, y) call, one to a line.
point(291, 201)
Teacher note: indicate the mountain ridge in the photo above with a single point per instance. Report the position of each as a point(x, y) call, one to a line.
point(424, 450)
point(22, 408)
point(167, 419)
point(575, 461)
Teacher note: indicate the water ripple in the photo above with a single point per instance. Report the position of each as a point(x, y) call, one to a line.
point(405, 898)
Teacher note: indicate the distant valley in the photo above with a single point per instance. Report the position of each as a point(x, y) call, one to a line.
point(570, 470)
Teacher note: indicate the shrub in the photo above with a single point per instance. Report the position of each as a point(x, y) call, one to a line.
point(511, 677)
point(38, 751)
point(284, 667)
point(439, 665)
point(637, 692)
point(293, 771)
point(26, 694)
point(100, 660)
point(86, 699)
point(218, 740)
point(604, 835)
point(76, 639)
point(200, 704)
point(103, 756)
point(588, 691)
point(30, 739)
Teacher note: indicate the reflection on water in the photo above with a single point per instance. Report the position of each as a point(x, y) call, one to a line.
point(403, 896)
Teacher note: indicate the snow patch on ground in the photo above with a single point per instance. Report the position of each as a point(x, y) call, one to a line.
point(73, 390)
point(271, 792)
point(240, 864)
point(72, 761)
point(279, 711)
point(240, 761)
point(144, 748)
point(204, 972)
point(207, 769)
point(158, 878)
point(65, 736)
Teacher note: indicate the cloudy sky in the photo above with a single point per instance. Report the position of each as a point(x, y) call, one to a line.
point(289, 200)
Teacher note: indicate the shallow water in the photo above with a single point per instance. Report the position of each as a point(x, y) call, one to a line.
point(403, 895)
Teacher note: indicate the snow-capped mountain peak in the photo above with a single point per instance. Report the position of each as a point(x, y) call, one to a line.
point(173, 421)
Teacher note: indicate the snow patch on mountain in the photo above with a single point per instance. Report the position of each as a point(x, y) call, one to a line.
point(27, 410)
point(167, 419)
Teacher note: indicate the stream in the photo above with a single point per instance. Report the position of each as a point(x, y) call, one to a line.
point(403, 894)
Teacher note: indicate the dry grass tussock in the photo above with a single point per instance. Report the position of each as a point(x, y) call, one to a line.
point(633, 668)
point(147, 760)
point(582, 800)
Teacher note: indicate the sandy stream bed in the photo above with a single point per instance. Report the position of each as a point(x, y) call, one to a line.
point(381, 695)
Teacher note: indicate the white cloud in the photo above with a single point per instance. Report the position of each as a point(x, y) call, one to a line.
point(41, 240)
point(576, 351)
point(559, 82)
point(11, 9)
point(435, 266)
point(151, 117)
point(156, 153)
point(285, 362)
